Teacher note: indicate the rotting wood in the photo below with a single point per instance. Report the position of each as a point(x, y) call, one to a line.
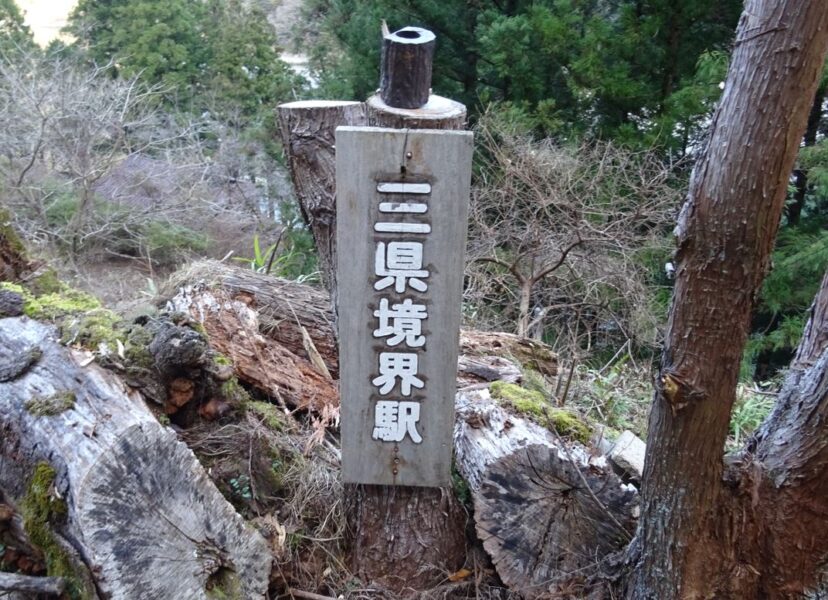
point(549, 523)
point(133, 495)
point(284, 307)
point(519, 474)
point(233, 329)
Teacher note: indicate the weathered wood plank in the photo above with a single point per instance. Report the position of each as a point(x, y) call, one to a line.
point(412, 266)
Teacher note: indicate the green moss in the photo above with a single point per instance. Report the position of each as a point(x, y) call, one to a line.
point(136, 348)
point(16, 288)
point(67, 301)
point(534, 404)
point(46, 283)
point(268, 412)
point(224, 584)
point(222, 360)
point(198, 327)
point(41, 509)
point(530, 402)
point(49, 406)
point(98, 326)
point(568, 424)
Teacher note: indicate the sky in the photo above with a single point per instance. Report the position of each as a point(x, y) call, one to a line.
point(45, 17)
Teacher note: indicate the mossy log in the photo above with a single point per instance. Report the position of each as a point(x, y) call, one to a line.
point(541, 501)
point(283, 308)
point(117, 505)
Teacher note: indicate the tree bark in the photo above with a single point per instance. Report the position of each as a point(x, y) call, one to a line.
point(108, 494)
point(786, 467)
point(725, 233)
point(405, 67)
point(308, 130)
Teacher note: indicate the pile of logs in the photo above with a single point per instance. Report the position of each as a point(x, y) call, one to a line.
point(126, 494)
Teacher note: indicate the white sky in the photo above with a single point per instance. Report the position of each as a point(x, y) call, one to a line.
point(45, 17)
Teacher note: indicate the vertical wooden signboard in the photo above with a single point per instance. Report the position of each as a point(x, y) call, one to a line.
point(402, 204)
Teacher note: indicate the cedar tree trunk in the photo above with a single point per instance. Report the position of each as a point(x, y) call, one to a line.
point(755, 536)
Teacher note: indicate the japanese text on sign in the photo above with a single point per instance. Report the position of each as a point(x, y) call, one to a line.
point(400, 263)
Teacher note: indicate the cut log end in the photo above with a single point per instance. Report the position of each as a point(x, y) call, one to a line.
point(549, 524)
point(437, 113)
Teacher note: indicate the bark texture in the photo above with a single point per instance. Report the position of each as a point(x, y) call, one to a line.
point(725, 233)
point(787, 466)
point(405, 67)
point(308, 129)
point(105, 489)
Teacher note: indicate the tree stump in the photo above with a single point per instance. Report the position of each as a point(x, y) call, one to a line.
point(308, 130)
point(549, 522)
point(405, 74)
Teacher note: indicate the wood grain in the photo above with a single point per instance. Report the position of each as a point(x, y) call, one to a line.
point(365, 157)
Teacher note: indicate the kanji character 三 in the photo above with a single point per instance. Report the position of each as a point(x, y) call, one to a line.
point(403, 322)
point(398, 263)
point(397, 365)
point(394, 419)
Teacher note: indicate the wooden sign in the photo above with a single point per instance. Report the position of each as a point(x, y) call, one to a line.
point(402, 204)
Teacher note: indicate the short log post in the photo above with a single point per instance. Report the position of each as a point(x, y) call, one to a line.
point(405, 71)
point(407, 537)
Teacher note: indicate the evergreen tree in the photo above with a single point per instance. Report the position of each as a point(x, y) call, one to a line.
point(15, 35)
point(217, 55)
point(606, 67)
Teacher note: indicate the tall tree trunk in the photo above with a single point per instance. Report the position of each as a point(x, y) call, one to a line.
point(786, 468)
point(726, 232)
point(524, 305)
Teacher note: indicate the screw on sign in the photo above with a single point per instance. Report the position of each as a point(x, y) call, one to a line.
point(402, 201)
